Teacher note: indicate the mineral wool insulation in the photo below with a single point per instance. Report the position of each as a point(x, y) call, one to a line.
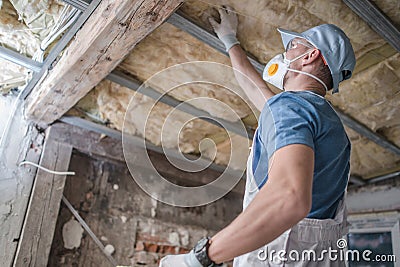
point(179, 131)
point(371, 96)
point(23, 25)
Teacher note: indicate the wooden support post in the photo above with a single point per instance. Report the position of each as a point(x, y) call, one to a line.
point(111, 32)
point(38, 230)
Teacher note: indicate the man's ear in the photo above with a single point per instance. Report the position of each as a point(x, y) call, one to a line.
point(311, 57)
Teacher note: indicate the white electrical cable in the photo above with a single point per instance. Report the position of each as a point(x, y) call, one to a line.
point(45, 169)
point(67, 17)
point(52, 38)
point(68, 20)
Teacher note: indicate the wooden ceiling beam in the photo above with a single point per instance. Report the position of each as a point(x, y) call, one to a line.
point(87, 137)
point(110, 33)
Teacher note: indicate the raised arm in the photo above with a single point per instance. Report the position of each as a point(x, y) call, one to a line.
point(248, 78)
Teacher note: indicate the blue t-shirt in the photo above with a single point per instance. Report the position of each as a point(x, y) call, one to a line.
point(306, 118)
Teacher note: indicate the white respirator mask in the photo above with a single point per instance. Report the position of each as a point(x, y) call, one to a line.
point(275, 70)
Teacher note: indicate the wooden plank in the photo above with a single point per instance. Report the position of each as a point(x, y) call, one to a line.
point(115, 134)
point(90, 142)
point(111, 32)
point(37, 233)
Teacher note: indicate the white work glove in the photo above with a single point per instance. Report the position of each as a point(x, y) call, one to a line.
point(226, 30)
point(182, 260)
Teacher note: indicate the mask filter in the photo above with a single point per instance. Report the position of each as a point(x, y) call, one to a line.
point(275, 71)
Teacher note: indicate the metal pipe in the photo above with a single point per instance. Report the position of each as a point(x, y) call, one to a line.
point(377, 20)
point(19, 59)
point(179, 21)
point(357, 180)
point(133, 84)
point(89, 231)
point(383, 177)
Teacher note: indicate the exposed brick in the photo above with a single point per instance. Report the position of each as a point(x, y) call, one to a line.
point(145, 237)
point(169, 250)
point(152, 248)
point(183, 250)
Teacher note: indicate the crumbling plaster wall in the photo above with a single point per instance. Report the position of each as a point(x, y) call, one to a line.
point(19, 141)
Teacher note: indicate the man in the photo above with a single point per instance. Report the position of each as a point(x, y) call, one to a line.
point(298, 170)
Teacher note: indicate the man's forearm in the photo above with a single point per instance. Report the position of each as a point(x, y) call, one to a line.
point(282, 202)
point(248, 78)
point(270, 214)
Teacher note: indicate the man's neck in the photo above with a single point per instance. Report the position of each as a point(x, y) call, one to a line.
point(310, 85)
point(316, 90)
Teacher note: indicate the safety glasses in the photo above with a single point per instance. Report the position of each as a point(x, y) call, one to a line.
point(295, 42)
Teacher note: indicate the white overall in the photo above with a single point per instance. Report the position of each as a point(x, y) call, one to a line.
point(309, 235)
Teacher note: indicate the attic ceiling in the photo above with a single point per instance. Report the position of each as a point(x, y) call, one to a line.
point(371, 96)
